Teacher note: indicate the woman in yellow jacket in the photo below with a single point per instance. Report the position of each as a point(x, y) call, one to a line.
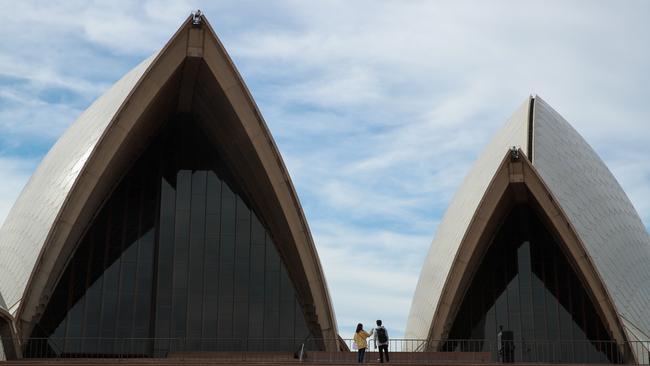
point(360, 339)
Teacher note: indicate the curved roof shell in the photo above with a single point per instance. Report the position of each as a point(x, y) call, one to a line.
point(615, 242)
point(33, 215)
point(191, 74)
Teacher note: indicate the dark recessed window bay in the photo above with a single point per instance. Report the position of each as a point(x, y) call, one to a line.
point(175, 260)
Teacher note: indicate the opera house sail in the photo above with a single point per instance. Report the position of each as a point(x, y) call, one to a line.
point(164, 213)
point(540, 252)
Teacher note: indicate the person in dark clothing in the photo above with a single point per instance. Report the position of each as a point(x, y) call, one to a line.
point(381, 341)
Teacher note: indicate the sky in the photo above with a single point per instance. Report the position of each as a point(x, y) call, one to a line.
point(378, 108)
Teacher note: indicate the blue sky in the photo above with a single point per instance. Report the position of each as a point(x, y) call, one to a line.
point(378, 107)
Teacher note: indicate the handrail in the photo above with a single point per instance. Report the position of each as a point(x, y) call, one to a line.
point(302, 352)
point(477, 350)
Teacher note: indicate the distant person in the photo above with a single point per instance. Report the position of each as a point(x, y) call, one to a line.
point(360, 340)
point(381, 340)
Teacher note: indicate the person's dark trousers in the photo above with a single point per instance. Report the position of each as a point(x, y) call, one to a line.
point(361, 354)
point(383, 350)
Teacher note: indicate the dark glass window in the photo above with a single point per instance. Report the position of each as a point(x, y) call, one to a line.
point(526, 285)
point(175, 256)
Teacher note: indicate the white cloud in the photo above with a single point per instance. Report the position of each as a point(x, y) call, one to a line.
point(371, 273)
point(15, 173)
point(23, 117)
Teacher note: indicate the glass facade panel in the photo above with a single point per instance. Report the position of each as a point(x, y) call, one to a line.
point(174, 254)
point(526, 277)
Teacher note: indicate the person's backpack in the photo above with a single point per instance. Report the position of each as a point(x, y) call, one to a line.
point(382, 337)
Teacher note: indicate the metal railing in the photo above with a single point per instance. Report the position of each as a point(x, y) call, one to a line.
point(394, 344)
point(550, 351)
point(321, 350)
point(235, 348)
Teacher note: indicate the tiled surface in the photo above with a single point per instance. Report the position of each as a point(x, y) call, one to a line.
point(32, 217)
point(594, 202)
point(601, 213)
point(456, 220)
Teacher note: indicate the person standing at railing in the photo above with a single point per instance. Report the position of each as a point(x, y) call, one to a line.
point(381, 340)
point(360, 337)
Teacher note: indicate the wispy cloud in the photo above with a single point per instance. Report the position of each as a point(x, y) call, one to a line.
point(15, 173)
point(360, 263)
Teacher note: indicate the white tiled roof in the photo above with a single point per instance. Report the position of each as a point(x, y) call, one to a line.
point(33, 215)
point(599, 210)
point(456, 220)
point(596, 205)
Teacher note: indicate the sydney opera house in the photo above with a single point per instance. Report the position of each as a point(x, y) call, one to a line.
point(165, 213)
point(539, 242)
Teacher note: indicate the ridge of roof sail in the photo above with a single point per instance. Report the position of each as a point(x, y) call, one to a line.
point(517, 181)
point(308, 253)
point(453, 226)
